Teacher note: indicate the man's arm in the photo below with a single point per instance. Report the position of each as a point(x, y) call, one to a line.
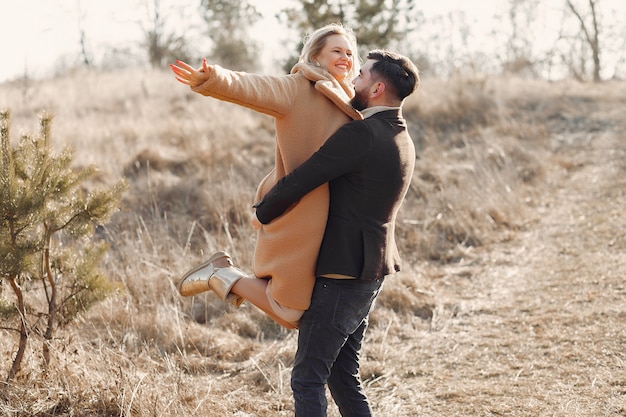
point(341, 153)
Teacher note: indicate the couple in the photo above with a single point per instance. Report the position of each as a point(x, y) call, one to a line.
point(325, 215)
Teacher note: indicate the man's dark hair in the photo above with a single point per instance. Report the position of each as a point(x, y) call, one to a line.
point(397, 70)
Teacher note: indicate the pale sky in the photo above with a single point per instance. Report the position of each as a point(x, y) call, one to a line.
point(39, 35)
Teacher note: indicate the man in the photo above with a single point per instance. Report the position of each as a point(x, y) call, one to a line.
point(368, 165)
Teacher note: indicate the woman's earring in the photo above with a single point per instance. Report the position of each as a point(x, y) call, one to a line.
point(317, 63)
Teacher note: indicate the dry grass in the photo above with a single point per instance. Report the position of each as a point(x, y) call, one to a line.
point(512, 235)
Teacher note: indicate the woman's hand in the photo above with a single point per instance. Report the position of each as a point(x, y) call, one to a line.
point(190, 76)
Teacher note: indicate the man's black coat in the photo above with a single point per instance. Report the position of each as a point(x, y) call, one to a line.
point(368, 165)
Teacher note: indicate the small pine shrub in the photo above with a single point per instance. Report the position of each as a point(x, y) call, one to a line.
point(49, 253)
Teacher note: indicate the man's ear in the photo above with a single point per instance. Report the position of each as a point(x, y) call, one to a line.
point(377, 89)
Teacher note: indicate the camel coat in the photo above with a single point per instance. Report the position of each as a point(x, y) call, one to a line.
point(308, 106)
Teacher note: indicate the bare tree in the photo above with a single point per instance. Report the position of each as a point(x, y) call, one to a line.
point(83, 38)
point(160, 45)
point(154, 36)
point(590, 32)
point(227, 26)
point(518, 52)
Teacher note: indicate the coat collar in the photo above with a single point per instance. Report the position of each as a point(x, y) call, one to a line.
point(339, 93)
point(391, 114)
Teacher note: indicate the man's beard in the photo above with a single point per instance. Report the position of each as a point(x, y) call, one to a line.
point(359, 101)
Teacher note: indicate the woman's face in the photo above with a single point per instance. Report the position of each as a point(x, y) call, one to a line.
point(336, 56)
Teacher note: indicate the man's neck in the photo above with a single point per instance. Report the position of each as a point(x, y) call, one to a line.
point(375, 109)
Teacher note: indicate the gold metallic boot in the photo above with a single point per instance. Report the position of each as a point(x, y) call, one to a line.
point(203, 278)
point(223, 280)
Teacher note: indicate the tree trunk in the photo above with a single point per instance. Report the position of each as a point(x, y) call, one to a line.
point(52, 305)
point(595, 44)
point(591, 36)
point(19, 355)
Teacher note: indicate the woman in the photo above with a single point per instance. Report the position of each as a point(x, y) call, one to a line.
point(308, 105)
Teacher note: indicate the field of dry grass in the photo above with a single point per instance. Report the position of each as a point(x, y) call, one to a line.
point(513, 238)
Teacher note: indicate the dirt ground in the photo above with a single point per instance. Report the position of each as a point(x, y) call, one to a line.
point(536, 326)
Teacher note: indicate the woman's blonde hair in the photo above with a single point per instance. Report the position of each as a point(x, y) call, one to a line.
point(314, 43)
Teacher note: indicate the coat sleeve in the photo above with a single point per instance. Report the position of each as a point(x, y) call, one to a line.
point(271, 95)
point(342, 153)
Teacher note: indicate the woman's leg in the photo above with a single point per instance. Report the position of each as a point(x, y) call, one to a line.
point(254, 291)
point(233, 285)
